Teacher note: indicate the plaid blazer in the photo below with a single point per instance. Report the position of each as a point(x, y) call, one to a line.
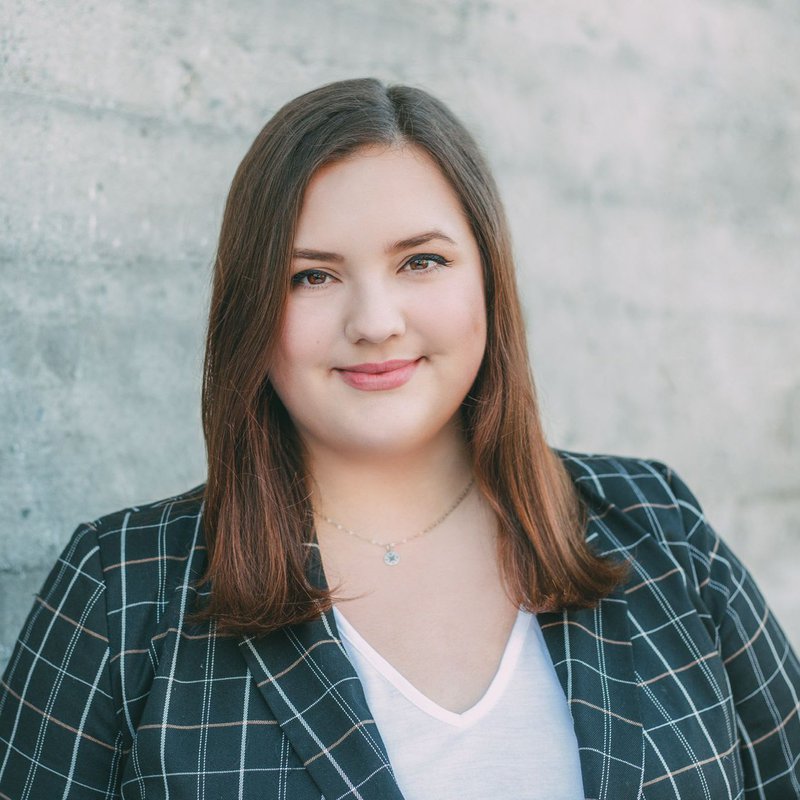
point(681, 684)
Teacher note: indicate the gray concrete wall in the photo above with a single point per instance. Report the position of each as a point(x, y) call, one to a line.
point(649, 155)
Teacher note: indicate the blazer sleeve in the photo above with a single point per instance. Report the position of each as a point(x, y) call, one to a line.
point(59, 736)
point(762, 668)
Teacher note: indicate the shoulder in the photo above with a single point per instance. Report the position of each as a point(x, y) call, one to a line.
point(167, 526)
point(616, 477)
point(636, 503)
point(151, 552)
point(171, 516)
point(627, 482)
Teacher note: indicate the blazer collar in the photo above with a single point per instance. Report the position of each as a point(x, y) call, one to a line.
point(592, 654)
point(592, 651)
point(307, 679)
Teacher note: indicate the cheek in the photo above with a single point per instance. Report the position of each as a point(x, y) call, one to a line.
point(478, 319)
point(463, 316)
point(300, 339)
point(475, 328)
point(289, 354)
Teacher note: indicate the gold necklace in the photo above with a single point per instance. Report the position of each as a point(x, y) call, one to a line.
point(390, 555)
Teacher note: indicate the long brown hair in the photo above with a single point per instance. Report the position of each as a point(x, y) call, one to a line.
point(257, 518)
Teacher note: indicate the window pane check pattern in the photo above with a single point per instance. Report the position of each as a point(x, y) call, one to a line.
point(681, 684)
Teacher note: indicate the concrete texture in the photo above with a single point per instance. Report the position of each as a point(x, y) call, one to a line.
point(649, 156)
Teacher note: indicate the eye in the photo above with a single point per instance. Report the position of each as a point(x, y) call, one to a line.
point(419, 263)
point(310, 279)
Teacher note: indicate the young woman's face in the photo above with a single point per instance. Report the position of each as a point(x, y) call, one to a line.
point(383, 336)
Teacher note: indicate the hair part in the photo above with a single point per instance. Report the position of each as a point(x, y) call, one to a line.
point(257, 518)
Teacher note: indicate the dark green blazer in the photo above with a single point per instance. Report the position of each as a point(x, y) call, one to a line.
point(681, 684)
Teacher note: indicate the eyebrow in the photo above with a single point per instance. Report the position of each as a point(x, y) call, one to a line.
point(401, 244)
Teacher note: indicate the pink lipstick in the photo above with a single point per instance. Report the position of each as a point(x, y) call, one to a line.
point(375, 377)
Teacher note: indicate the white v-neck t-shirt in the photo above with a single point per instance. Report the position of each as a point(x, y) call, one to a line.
point(516, 743)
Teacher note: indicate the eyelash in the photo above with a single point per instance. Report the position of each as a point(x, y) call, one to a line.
point(439, 263)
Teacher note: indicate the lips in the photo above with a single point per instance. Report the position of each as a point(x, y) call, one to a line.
point(373, 377)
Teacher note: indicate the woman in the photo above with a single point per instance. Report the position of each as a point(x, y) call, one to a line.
point(390, 585)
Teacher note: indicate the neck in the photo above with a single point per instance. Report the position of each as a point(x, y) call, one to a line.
point(400, 492)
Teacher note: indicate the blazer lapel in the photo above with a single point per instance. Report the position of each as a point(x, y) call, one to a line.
point(305, 676)
point(592, 652)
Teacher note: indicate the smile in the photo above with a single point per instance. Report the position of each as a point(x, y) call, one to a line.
point(379, 377)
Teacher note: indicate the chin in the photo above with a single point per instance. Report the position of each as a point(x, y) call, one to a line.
point(394, 443)
point(395, 439)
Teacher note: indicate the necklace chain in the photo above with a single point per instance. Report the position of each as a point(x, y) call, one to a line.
point(390, 556)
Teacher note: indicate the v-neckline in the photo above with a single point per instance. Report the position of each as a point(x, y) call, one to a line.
point(493, 693)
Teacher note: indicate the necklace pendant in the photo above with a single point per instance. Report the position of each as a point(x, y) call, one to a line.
point(390, 558)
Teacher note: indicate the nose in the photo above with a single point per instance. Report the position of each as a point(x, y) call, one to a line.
point(374, 313)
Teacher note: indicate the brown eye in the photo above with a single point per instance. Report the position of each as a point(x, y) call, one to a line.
point(428, 262)
point(309, 278)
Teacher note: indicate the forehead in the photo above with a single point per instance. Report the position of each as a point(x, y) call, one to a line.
point(379, 186)
point(382, 157)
